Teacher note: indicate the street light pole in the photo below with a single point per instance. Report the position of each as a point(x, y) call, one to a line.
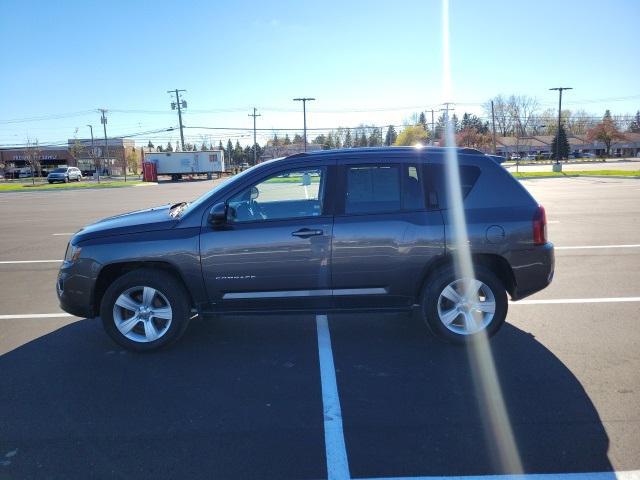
point(93, 153)
point(304, 101)
point(559, 89)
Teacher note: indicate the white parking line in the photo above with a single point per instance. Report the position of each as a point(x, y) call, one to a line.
point(35, 315)
point(623, 475)
point(9, 262)
point(61, 234)
point(336, 452)
point(585, 247)
point(543, 301)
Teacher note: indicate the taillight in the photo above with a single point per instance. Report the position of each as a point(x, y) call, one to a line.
point(540, 226)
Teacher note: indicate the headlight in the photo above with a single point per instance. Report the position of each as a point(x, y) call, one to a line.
point(72, 253)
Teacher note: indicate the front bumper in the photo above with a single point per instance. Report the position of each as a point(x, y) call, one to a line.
point(533, 269)
point(74, 290)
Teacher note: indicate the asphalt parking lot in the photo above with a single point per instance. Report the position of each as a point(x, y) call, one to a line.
point(274, 396)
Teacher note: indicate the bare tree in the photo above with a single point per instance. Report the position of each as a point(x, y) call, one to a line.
point(76, 148)
point(578, 122)
point(504, 120)
point(522, 109)
point(32, 155)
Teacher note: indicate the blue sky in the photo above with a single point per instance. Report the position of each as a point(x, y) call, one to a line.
point(72, 56)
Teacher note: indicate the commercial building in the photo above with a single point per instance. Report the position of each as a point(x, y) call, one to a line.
point(77, 153)
point(541, 144)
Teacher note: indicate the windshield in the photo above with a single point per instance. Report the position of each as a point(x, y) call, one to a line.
point(190, 206)
point(59, 170)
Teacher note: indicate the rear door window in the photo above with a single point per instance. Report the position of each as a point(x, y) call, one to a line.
point(372, 189)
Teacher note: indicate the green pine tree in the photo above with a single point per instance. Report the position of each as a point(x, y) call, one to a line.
point(561, 140)
point(348, 141)
point(363, 139)
point(390, 137)
point(422, 120)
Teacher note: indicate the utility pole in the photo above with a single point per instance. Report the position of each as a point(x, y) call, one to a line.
point(559, 89)
point(103, 121)
point(493, 122)
point(93, 153)
point(304, 101)
point(179, 104)
point(254, 115)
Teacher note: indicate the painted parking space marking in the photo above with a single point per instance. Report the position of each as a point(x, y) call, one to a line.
point(622, 475)
point(64, 234)
point(35, 315)
point(11, 262)
point(551, 301)
point(587, 247)
point(335, 449)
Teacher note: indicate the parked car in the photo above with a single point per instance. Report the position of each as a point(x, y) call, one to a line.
point(530, 156)
point(64, 174)
point(588, 155)
point(334, 230)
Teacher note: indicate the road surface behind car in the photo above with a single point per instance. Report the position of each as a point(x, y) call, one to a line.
point(316, 396)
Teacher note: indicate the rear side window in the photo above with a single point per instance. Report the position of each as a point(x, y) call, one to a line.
point(436, 182)
point(372, 189)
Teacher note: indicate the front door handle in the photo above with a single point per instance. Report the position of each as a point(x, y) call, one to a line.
point(306, 233)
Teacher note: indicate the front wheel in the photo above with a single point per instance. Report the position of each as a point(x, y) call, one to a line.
point(457, 309)
point(145, 309)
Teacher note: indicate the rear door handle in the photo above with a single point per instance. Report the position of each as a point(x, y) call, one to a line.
point(306, 233)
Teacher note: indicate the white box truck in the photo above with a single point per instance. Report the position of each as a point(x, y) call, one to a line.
point(177, 164)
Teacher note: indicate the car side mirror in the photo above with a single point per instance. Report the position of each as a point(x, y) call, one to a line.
point(218, 214)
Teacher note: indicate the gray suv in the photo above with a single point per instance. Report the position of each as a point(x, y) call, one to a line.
point(65, 175)
point(341, 230)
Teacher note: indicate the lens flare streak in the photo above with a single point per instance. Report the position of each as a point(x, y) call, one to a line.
point(498, 430)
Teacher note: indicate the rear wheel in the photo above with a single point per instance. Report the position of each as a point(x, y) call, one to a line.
point(456, 315)
point(145, 309)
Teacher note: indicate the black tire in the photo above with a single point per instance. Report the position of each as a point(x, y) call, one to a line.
point(435, 285)
point(171, 288)
point(66, 179)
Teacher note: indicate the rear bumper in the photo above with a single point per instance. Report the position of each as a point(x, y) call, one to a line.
point(533, 269)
